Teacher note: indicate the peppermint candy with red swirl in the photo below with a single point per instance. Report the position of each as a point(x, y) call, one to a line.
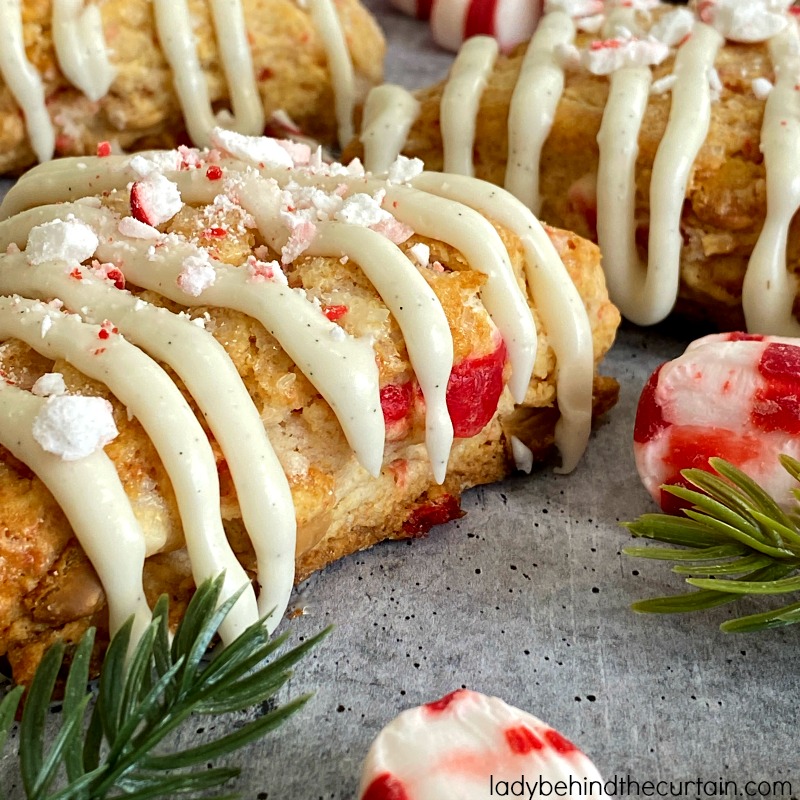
point(734, 396)
point(453, 21)
point(468, 746)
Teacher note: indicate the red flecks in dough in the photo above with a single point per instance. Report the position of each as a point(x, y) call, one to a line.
point(776, 406)
point(214, 173)
point(443, 703)
point(474, 390)
point(103, 149)
point(522, 740)
point(691, 446)
point(337, 312)
point(582, 199)
point(437, 511)
point(480, 18)
point(649, 419)
point(386, 787)
point(559, 743)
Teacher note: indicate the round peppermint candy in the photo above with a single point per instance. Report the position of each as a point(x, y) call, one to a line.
point(468, 746)
point(734, 396)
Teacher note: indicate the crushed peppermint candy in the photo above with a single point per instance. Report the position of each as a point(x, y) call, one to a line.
point(302, 234)
point(603, 57)
point(69, 240)
point(593, 24)
point(761, 88)
point(135, 229)
point(166, 161)
point(420, 254)
point(746, 21)
point(363, 209)
point(575, 8)
point(394, 230)
point(256, 150)
point(74, 426)
point(674, 27)
point(197, 274)
point(51, 384)
point(404, 170)
point(265, 271)
point(155, 199)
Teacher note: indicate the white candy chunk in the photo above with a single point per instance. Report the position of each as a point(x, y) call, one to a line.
point(673, 27)
point(605, 57)
point(747, 20)
point(523, 457)
point(67, 240)
point(761, 88)
point(197, 274)
point(575, 8)
point(468, 746)
point(155, 199)
point(420, 254)
point(362, 209)
point(166, 161)
point(74, 426)
point(265, 271)
point(50, 384)
point(128, 226)
point(404, 170)
point(593, 24)
point(256, 150)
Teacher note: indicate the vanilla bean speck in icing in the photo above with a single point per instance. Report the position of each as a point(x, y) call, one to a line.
point(85, 58)
point(631, 40)
point(78, 245)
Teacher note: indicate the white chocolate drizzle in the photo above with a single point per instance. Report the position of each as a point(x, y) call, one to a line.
point(533, 106)
point(769, 291)
point(389, 113)
point(154, 399)
point(84, 59)
point(211, 378)
point(24, 82)
point(81, 48)
point(91, 496)
point(460, 101)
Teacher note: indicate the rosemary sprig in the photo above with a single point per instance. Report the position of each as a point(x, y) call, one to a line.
point(740, 542)
point(110, 747)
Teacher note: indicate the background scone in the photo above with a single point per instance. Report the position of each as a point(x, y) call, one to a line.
point(659, 132)
point(153, 73)
point(396, 344)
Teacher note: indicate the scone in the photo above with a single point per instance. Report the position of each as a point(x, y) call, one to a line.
point(246, 359)
point(133, 74)
point(663, 133)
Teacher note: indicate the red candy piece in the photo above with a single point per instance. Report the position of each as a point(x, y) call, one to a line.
point(385, 787)
point(559, 743)
point(214, 173)
point(522, 740)
point(649, 419)
point(396, 401)
point(103, 149)
point(139, 204)
point(437, 706)
point(334, 312)
point(777, 405)
point(474, 390)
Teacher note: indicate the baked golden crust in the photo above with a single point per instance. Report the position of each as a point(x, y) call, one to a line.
point(725, 203)
point(48, 588)
point(141, 109)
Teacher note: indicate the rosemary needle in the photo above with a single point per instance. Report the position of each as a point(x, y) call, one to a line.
point(110, 747)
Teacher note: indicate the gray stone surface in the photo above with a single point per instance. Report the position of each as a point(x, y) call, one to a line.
point(527, 598)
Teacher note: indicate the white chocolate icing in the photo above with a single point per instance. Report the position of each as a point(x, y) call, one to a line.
point(81, 48)
point(460, 101)
point(769, 290)
point(24, 82)
point(90, 493)
point(533, 106)
point(389, 113)
point(154, 399)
